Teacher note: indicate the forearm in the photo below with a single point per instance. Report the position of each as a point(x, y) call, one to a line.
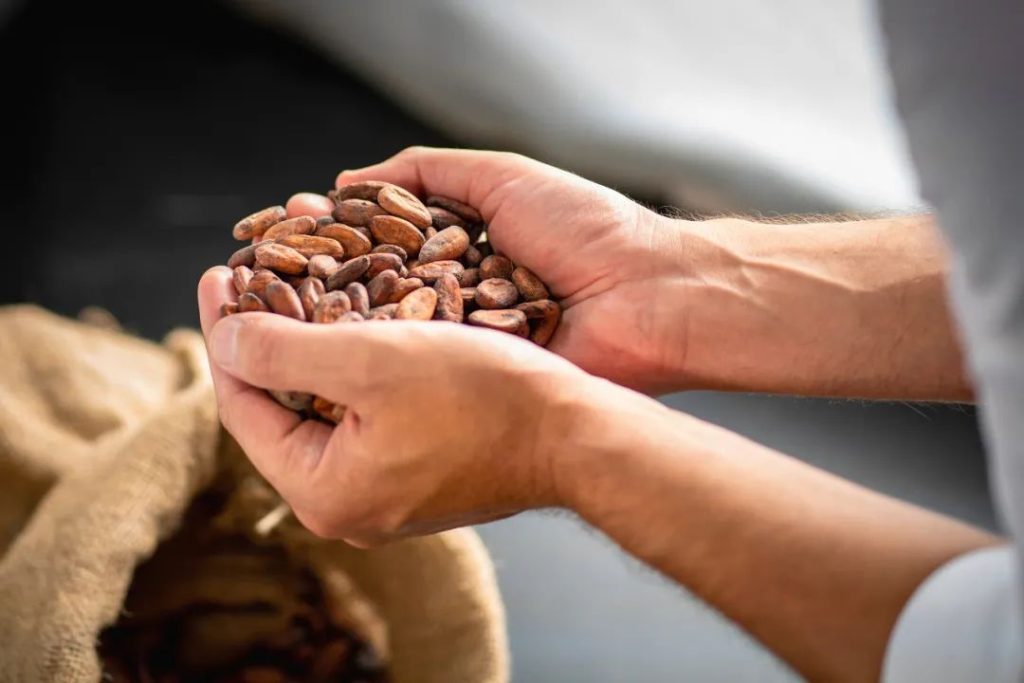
point(855, 309)
point(813, 566)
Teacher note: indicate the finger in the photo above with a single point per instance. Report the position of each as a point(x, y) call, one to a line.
point(338, 362)
point(283, 447)
point(466, 175)
point(308, 204)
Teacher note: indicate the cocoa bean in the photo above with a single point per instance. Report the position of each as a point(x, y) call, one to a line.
point(385, 312)
point(494, 293)
point(430, 232)
point(228, 308)
point(508, 320)
point(331, 307)
point(356, 211)
point(309, 292)
point(249, 302)
point(258, 223)
point(322, 266)
point(412, 263)
point(472, 257)
point(394, 230)
point(332, 412)
point(350, 271)
point(390, 249)
point(259, 281)
point(363, 230)
point(496, 266)
point(547, 315)
point(246, 256)
point(299, 225)
point(398, 201)
point(404, 287)
point(463, 211)
point(381, 287)
point(470, 277)
point(240, 277)
point(529, 285)
point(428, 272)
point(323, 221)
point(447, 245)
point(443, 218)
point(366, 189)
point(280, 258)
point(449, 299)
point(359, 297)
point(381, 262)
point(311, 245)
point(351, 317)
point(352, 240)
point(283, 300)
point(418, 305)
point(468, 295)
point(292, 400)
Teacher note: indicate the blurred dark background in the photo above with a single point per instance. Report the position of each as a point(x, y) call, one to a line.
point(138, 133)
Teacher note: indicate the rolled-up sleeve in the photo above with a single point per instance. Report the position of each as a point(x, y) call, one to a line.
point(962, 624)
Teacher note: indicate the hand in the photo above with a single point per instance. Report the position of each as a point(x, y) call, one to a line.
point(447, 425)
point(614, 264)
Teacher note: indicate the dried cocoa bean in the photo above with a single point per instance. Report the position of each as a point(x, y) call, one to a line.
point(382, 287)
point(546, 314)
point(390, 249)
point(323, 221)
point(240, 277)
point(322, 266)
point(385, 312)
point(280, 258)
point(259, 281)
point(228, 308)
point(443, 218)
point(381, 262)
point(495, 293)
point(430, 232)
point(293, 400)
point(447, 245)
point(350, 271)
point(354, 241)
point(472, 257)
point(394, 230)
point(309, 292)
point(419, 305)
point(332, 412)
point(282, 299)
point(359, 297)
point(529, 285)
point(246, 256)
point(366, 189)
point(351, 317)
point(300, 225)
point(470, 277)
point(507, 320)
point(463, 211)
point(428, 272)
point(449, 299)
point(331, 307)
point(404, 287)
point(400, 202)
point(256, 224)
point(468, 295)
point(495, 266)
point(312, 245)
point(249, 302)
point(356, 211)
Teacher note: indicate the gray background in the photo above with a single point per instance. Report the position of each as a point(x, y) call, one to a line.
point(140, 142)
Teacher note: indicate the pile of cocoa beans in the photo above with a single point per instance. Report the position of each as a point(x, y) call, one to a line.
point(384, 254)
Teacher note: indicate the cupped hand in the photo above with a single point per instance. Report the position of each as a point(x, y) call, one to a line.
point(616, 265)
point(446, 425)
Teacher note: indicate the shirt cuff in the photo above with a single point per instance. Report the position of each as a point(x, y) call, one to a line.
point(962, 624)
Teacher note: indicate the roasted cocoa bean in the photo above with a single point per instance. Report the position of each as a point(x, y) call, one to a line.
point(350, 271)
point(449, 299)
point(495, 293)
point(280, 258)
point(398, 201)
point(312, 245)
point(331, 307)
point(356, 211)
point(394, 230)
point(447, 245)
point(256, 224)
point(352, 240)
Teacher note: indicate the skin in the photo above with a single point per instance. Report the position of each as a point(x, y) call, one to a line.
point(449, 425)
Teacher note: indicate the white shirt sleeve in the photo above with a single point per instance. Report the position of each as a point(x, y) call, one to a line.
point(962, 624)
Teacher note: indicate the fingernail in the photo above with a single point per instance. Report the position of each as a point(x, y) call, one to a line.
point(224, 345)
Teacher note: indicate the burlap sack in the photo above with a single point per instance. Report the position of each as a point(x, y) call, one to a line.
point(104, 441)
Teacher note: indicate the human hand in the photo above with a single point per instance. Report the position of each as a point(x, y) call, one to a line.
point(446, 425)
point(615, 264)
